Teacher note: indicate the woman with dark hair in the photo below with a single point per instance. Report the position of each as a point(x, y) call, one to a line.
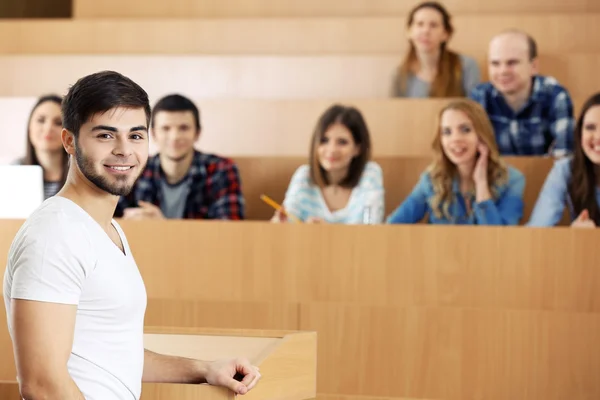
point(575, 181)
point(44, 143)
point(340, 184)
point(430, 69)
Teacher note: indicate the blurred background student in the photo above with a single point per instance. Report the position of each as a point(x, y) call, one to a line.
point(340, 184)
point(44, 144)
point(430, 68)
point(467, 183)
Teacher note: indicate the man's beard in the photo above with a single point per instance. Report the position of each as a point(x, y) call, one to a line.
point(120, 188)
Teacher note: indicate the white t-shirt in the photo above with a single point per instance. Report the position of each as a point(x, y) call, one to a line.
point(62, 255)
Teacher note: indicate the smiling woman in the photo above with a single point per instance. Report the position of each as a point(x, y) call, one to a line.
point(467, 183)
point(340, 184)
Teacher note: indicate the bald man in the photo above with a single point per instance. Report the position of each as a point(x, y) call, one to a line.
point(532, 114)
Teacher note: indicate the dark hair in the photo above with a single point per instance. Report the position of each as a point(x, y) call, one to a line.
point(448, 81)
point(353, 120)
point(582, 185)
point(176, 102)
point(98, 93)
point(30, 153)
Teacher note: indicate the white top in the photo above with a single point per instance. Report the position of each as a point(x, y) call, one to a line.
point(62, 255)
point(304, 200)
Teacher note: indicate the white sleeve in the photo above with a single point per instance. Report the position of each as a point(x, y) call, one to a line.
point(50, 263)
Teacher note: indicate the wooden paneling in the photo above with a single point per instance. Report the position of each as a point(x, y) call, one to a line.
point(36, 9)
point(311, 8)
point(423, 312)
point(554, 33)
point(272, 128)
point(257, 77)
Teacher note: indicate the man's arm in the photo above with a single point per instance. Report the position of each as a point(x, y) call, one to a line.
point(42, 340)
point(226, 191)
point(562, 124)
point(161, 368)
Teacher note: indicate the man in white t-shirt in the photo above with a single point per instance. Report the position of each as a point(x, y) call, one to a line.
point(74, 297)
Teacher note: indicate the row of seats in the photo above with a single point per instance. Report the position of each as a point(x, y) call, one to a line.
point(553, 32)
point(265, 77)
point(309, 8)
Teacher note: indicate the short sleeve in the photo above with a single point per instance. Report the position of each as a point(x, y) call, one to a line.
point(50, 263)
point(298, 197)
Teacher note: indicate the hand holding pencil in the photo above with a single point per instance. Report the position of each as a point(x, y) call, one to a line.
point(281, 215)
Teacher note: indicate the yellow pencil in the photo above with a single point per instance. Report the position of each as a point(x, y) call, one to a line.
point(278, 207)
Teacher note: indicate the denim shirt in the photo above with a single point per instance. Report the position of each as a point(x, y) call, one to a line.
point(554, 196)
point(507, 209)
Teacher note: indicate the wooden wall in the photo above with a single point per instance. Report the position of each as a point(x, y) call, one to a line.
point(292, 36)
point(424, 312)
point(311, 8)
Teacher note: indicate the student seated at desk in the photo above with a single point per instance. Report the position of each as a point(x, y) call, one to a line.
point(180, 181)
point(467, 183)
point(575, 181)
point(430, 68)
point(340, 184)
point(44, 143)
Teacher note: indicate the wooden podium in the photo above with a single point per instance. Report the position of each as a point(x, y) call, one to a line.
point(287, 362)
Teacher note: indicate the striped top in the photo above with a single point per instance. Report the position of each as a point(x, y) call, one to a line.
point(304, 199)
point(50, 189)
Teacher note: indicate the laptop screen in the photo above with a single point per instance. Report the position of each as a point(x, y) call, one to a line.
point(22, 190)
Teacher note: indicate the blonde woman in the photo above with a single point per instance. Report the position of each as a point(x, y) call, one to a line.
point(467, 183)
point(430, 68)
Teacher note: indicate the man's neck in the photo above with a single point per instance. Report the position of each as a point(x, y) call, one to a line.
point(517, 100)
point(176, 170)
point(52, 163)
point(97, 203)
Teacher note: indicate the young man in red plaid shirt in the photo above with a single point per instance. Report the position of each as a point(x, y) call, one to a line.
point(180, 181)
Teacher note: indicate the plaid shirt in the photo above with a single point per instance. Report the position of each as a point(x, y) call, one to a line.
point(544, 125)
point(215, 190)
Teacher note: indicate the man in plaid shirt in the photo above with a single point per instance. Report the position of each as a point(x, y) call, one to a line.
point(181, 182)
point(531, 114)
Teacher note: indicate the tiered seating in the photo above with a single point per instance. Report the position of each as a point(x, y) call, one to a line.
point(409, 311)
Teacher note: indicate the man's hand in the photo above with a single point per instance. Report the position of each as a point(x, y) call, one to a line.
point(144, 211)
point(222, 373)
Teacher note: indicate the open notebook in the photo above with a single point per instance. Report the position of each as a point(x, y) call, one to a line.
point(21, 190)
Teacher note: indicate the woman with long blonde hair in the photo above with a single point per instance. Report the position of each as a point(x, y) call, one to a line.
point(467, 183)
point(430, 68)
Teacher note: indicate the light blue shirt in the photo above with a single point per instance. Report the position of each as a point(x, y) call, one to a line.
point(304, 199)
point(507, 209)
point(554, 196)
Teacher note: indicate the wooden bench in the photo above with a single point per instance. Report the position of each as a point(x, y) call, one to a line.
point(284, 36)
point(311, 8)
point(255, 76)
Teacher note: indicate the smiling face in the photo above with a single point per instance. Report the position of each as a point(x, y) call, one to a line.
point(427, 31)
point(459, 139)
point(510, 66)
point(111, 150)
point(337, 149)
point(45, 127)
point(175, 133)
point(590, 134)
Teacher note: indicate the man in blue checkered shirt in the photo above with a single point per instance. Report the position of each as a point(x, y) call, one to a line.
point(532, 114)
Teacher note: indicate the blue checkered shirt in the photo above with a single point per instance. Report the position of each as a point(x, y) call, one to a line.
point(543, 125)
